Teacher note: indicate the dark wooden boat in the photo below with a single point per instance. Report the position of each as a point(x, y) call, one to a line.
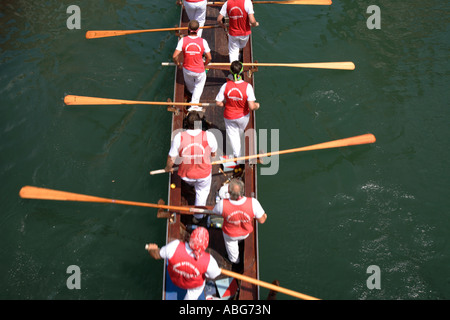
point(178, 225)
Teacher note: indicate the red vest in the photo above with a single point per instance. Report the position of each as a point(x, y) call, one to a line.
point(186, 272)
point(236, 105)
point(195, 154)
point(193, 54)
point(239, 24)
point(237, 219)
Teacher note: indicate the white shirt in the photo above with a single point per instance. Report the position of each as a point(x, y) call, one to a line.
point(168, 251)
point(250, 92)
point(212, 142)
point(257, 208)
point(248, 6)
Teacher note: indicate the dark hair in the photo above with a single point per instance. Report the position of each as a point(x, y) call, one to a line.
point(236, 67)
point(193, 26)
point(192, 118)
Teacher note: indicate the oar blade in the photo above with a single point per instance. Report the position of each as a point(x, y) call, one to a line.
point(95, 34)
point(30, 192)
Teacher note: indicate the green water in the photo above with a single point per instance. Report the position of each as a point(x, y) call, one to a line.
point(332, 213)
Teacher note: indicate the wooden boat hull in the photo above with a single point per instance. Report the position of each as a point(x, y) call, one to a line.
point(178, 225)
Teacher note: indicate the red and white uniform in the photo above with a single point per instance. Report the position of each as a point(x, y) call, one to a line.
point(193, 48)
point(194, 161)
point(239, 25)
point(236, 105)
point(238, 216)
point(235, 96)
point(183, 268)
point(237, 219)
point(195, 154)
point(186, 272)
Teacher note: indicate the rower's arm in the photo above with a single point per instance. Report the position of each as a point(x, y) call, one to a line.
point(252, 105)
point(153, 250)
point(252, 20)
point(262, 219)
point(176, 57)
point(169, 164)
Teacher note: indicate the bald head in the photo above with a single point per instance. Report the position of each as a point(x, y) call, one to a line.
point(236, 189)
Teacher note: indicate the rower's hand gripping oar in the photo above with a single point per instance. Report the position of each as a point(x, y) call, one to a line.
point(30, 192)
point(352, 141)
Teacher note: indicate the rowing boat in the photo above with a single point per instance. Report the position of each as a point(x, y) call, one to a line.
point(179, 194)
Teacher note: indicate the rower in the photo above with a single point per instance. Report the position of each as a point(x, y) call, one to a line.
point(238, 99)
point(238, 213)
point(192, 48)
point(241, 19)
point(193, 149)
point(188, 263)
point(196, 10)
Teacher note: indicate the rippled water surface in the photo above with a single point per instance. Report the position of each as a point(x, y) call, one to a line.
point(332, 213)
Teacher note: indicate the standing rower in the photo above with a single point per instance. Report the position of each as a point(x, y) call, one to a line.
point(241, 19)
point(188, 263)
point(193, 149)
point(192, 48)
point(238, 98)
point(238, 213)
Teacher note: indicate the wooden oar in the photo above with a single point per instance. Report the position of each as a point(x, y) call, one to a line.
point(93, 34)
point(72, 100)
point(346, 65)
point(30, 192)
point(267, 285)
point(352, 141)
point(312, 2)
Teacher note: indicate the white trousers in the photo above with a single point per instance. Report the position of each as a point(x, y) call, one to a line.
point(235, 44)
point(195, 82)
point(196, 11)
point(202, 187)
point(232, 246)
point(193, 294)
point(235, 132)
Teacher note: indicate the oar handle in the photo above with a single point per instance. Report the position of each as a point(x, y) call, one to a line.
point(159, 171)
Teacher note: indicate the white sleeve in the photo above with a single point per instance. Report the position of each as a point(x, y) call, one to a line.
point(250, 93)
point(248, 6)
point(223, 10)
point(218, 208)
point(175, 146)
point(213, 270)
point(211, 141)
point(221, 95)
point(179, 45)
point(169, 249)
point(206, 46)
point(257, 208)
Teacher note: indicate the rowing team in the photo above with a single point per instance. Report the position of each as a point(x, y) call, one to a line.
point(188, 263)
